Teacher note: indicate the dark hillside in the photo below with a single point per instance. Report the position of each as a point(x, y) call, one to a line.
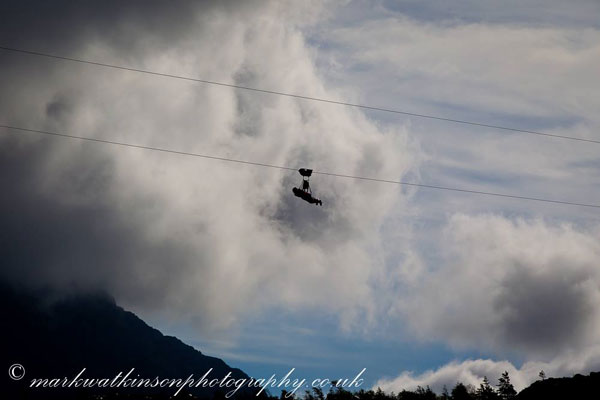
point(56, 339)
point(578, 387)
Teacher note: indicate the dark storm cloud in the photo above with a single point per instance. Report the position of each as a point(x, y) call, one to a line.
point(66, 25)
point(47, 241)
point(81, 245)
point(545, 310)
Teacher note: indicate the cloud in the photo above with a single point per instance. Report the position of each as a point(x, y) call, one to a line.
point(406, 61)
point(513, 286)
point(531, 12)
point(201, 240)
point(531, 74)
point(472, 372)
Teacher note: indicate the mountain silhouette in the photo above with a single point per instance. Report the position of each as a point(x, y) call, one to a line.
point(55, 337)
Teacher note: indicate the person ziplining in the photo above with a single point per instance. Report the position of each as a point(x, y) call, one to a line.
point(305, 193)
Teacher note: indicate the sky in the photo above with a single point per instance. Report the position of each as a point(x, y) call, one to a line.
point(421, 287)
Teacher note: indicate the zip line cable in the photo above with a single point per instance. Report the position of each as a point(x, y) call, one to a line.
point(297, 96)
point(136, 146)
point(184, 153)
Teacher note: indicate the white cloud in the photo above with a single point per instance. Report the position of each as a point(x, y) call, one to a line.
point(506, 68)
point(471, 372)
point(510, 73)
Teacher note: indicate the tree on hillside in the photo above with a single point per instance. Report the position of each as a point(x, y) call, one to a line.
point(486, 391)
point(460, 392)
point(505, 388)
point(542, 375)
point(445, 395)
point(426, 393)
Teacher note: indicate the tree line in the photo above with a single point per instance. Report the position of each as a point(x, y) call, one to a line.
point(504, 390)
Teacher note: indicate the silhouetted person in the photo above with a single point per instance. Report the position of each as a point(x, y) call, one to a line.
point(306, 196)
point(305, 193)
